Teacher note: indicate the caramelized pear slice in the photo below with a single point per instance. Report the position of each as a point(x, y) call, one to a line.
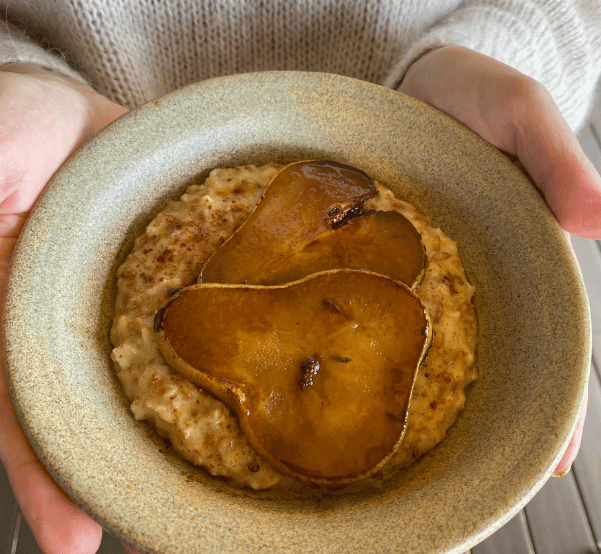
point(319, 371)
point(302, 200)
point(383, 242)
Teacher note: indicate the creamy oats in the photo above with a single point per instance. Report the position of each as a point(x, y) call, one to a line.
point(170, 254)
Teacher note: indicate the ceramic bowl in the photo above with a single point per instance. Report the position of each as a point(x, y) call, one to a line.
point(534, 345)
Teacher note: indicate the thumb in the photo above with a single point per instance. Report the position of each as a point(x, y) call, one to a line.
point(517, 115)
point(573, 192)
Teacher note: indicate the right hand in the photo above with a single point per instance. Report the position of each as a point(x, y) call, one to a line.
point(518, 116)
point(44, 118)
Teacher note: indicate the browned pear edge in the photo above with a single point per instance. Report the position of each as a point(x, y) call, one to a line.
point(422, 274)
point(258, 204)
point(420, 278)
point(231, 398)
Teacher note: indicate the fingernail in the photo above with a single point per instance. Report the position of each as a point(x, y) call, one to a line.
point(562, 473)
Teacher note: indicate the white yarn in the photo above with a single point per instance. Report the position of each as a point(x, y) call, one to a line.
point(133, 51)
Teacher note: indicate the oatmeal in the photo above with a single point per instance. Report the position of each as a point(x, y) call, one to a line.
point(170, 255)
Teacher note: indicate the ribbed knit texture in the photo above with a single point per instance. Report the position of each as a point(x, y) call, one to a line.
point(135, 50)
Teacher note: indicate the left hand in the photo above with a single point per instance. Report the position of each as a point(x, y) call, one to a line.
point(44, 118)
point(517, 115)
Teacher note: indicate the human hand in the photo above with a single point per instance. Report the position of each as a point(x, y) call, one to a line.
point(44, 118)
point(517, 115)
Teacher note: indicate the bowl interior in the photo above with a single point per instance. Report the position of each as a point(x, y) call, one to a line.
point(534, 328)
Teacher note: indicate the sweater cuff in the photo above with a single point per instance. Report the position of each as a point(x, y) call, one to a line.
point(558, 56)
point(15, 47)
point(486, 33)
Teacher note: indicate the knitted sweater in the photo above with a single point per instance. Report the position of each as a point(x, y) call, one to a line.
point(135, 50)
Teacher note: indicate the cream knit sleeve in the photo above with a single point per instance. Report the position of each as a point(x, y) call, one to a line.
point(16, 47)
point(557, 42)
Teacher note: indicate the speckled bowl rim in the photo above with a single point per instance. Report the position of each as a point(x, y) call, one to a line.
point(519, 416)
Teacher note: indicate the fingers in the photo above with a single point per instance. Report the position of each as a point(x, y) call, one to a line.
point(517, 115)
point(553, 157)
point(573, 193)
point(102, 110)
point(44, 118)
point(57, 524)
point(569, 456)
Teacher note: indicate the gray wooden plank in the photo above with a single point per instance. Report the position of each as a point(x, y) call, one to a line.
point(587, 466)
point(597, 353)
point(558, 521)
point(595, 119)
point(589, 140)
point(27, 543)
point(512, 538)
point(589, 258)
point(588, 253)
point(110, 545)
point(8, 513)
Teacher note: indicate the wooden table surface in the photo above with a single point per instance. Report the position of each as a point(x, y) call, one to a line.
point(563, 518)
